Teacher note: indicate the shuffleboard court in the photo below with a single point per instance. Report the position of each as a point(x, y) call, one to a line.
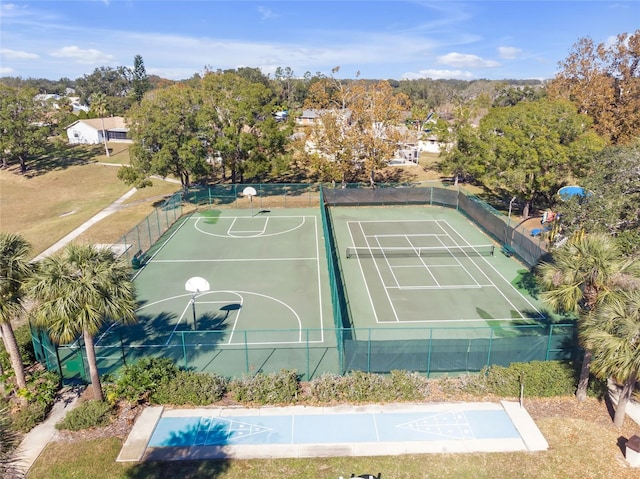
point(391, 429)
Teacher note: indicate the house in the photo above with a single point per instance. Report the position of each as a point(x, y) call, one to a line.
point(308, 117)
point(91, 131)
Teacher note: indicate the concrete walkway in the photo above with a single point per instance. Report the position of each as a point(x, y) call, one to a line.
point(37, 439)
point(112, 208)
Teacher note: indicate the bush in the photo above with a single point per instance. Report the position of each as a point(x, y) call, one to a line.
point(137, 382)
point(85, 415)
point(275, 388)
point(29, 416)
point(358, 387)
point(42, 387)
point(540, 379)
point(190, 388)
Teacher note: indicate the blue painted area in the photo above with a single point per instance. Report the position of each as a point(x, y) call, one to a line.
point(567, 192)
point(333, 429)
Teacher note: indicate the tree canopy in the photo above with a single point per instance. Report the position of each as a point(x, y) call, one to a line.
point(532, 148)
point(21, 131)
point(166, 136)
point(604, 82)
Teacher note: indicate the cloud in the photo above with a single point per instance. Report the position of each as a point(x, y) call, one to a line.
point(17, 55)
point(90, 56)
point(438, 74)
point(266, 13)
point(509, 53)
point(462, 60)
point(6, 70)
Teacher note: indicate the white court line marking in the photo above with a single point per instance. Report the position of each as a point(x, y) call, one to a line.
point(395, 279)
point(505, 280)
point(234, 260)
point(257, 232)
point(456, 258)
point(302, 220)
point(160, 248)
point(386, 292)
point(315, 223)
point(364, 278)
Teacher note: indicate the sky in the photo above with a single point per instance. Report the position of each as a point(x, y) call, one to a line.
point(397, 39)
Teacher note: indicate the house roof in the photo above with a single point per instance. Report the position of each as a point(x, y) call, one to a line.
point(110, 123)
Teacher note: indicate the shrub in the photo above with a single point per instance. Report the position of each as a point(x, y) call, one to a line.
point(85, 415)
point(275, 388)
point(137, 382)
point(29, 416)
point(355, 387)
point(408, 386)
point(190, 388)
point(540, 379)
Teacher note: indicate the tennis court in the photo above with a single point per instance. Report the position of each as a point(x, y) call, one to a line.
point(430, 265)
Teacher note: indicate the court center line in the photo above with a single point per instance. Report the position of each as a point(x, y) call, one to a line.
point(386, 292)
point(387, 261)
point(496, 287)
point(456, 258)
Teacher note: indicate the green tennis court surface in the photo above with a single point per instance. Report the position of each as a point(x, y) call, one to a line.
point(426, 266)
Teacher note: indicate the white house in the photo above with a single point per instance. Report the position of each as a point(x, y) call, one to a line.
point(91, 132)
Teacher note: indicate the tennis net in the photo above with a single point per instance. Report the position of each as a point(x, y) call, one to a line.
point(403, 252)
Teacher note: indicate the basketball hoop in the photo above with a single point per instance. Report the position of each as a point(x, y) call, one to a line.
point(250, 191)
point(196, 285)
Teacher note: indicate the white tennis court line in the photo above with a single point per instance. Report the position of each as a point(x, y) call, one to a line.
point(503, 278)
point(458, 260)
point(382, 282)
point(448, 235)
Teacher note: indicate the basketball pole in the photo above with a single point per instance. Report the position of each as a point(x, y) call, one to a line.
point(193, 307)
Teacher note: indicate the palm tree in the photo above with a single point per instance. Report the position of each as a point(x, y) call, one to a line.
point(15, 269)
point(99, 105)
point(612, 332)
point(584, 273)
point(79, 290)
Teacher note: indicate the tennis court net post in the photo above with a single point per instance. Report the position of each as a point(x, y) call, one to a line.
point(423, 251)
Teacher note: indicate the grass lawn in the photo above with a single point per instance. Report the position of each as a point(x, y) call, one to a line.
point(66, 188)
point(582, 445)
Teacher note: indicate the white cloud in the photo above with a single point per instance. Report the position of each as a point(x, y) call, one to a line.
point(17, 55)
point(438, 74)
point(462, 60)
point(89, 56)
point(266, 13)
point(6, 70)
point(509, 53)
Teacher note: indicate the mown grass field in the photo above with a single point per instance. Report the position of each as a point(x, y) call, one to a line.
point(67, 187)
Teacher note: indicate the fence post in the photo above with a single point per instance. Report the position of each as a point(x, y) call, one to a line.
point(158, 221)
point(546, 356)
point(489, 348)
point(429, 352)
point(369, 352)
point(308, 358)
point(246, 351)
point(184, 350)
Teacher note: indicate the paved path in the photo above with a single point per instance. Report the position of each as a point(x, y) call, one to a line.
point(37, 439)
point(112, 208)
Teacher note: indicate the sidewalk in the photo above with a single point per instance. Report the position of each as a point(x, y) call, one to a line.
point(112, 208)
point(36, 440)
